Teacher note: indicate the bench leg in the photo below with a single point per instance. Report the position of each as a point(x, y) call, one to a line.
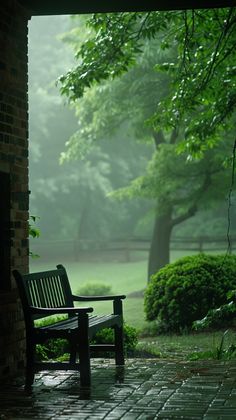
point(119, 345)
point(84, 362)
point(84, 352)
point(30, 359)
point(119, 335)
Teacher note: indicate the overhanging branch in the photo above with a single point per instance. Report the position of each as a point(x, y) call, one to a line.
point(189, 213)
point(194, 207)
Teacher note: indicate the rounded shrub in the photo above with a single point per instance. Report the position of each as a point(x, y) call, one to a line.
point(184, 291)
point(94, 289)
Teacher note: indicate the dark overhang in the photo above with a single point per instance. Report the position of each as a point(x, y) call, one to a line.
point(65, 7)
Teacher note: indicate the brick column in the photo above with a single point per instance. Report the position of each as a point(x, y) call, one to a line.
point(14, 168)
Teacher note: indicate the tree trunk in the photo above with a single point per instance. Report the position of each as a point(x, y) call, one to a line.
point(159, 254)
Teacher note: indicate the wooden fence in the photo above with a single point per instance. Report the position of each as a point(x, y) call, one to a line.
point(126, 249)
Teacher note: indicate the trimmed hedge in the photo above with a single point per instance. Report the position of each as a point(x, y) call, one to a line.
point(184, 291)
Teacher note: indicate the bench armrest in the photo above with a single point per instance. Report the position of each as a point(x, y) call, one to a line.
point(97, 298)
point(54, 311)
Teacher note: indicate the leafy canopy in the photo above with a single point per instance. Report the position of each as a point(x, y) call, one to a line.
point(203, 94)
point(134, 98)
point(126, 102)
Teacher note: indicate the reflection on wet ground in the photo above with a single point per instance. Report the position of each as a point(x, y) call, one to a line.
point(144, 389)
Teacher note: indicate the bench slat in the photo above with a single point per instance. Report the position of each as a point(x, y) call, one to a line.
point(72, 323)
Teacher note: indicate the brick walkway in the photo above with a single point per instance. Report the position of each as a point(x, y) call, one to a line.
point(149, 389)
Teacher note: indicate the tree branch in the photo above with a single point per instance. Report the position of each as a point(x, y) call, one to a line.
point(189, 213)
point(194, 207)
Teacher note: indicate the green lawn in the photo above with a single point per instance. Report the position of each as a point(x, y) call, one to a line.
point(122, 277)
point(202, 345)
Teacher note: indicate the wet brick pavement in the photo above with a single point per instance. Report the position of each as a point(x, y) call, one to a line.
point(145, 389)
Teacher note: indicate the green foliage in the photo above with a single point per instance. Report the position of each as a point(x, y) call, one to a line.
point(220, 317)
point(107, 336)
point(34, 232)
point(49, 320)
point(150, 329)
point(182, 184)
point(184, 291)
point(205, 61)
point(41, 352)
point(52, 350)
point(110, 50)
point(94, 289)
point(221, 352)
point(202, 96)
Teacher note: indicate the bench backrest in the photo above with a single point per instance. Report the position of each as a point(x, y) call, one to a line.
point(48, 289)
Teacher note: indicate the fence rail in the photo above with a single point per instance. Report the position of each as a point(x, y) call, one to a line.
point(125, 248)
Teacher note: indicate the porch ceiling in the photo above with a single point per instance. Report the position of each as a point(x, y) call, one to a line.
point(63, 7)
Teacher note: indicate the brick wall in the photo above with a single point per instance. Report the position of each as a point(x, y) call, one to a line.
point(14, 167)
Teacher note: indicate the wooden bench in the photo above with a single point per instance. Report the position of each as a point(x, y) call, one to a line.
point(49, 293)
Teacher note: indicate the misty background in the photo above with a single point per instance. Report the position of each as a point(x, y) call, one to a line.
point(78, 219)
point(71, 198)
